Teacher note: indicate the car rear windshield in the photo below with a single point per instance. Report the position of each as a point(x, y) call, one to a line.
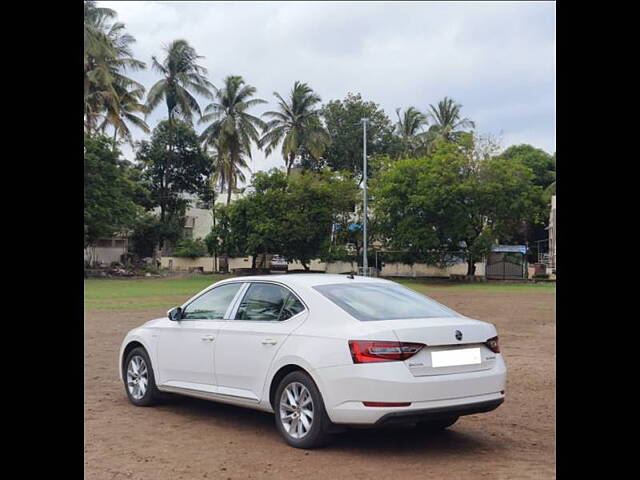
point(381, 301)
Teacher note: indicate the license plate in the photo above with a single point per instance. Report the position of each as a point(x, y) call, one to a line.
point(452, 358)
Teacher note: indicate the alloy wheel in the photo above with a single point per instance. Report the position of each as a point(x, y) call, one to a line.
point(296, 410)
point(137, 377)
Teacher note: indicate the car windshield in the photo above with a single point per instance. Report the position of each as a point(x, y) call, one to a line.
point(381, 301)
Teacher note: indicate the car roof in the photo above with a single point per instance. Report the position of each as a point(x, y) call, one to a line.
point(307, 279)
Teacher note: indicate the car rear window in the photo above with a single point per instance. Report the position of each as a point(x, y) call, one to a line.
point(381, 301)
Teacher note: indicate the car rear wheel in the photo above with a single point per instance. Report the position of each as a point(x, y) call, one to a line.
point(299, 410)
point(139, 381)
point(436, 425)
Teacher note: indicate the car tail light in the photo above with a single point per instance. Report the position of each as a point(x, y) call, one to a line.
point(492, 344)
point(368, 351)
point(386, 404)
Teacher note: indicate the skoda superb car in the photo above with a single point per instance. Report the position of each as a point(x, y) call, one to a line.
point(321, 352)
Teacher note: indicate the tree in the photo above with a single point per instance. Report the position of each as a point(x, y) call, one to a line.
point(187, 172)
point(108, 93)
point(409, 128)
point(296, 125)
point(109, 205)
point(447, 121)
point(542, 166)
point(232, 129)
point(452, 204)
point(123, 112)
point(181, 75)
point(342, 119)
point(291, 215)
point(540, 162)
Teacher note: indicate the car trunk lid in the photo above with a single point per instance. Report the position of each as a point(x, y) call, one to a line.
point(453, 345)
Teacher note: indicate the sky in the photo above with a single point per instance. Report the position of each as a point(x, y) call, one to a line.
point(497, 59)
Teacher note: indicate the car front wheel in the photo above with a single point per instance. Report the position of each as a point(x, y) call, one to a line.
point(139, 381)
point(299, 410)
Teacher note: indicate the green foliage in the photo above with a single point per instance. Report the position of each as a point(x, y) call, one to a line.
point(540, 162)
point(342, 119)
point(167, 177)
point(149, 231)
point(190, 248)
point(291, 216)
point(446, 121)
point(232, 129)
point(110, 97)
point(452, 203)
point(297, 127)
point(109, 194)
point(181, 77)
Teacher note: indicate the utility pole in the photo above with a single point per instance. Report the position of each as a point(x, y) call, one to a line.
point(365, 263)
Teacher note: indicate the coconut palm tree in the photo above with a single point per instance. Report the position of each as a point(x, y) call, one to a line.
point(128, 106)
point(107, 57)
point(409, 127)
point(231, 129)
point(181, 75)
point(297, 125)
point(447, 121)
point(95, 20)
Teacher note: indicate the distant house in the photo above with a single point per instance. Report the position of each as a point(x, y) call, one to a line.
point(197, 224)
point(107, 250)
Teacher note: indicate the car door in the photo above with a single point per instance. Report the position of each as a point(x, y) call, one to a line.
point(186, 347)
point(265, 316)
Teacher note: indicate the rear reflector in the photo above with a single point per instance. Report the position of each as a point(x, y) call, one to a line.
point(368, 351)
point(386, 404)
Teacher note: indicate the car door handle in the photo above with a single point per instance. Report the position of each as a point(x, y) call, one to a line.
point(269, 341)
point(208, 338)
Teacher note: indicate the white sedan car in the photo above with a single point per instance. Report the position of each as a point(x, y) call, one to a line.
point(321, 352)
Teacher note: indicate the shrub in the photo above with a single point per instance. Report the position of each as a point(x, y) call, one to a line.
point(190, 248)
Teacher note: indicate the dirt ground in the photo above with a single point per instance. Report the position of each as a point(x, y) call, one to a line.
point(192, 439)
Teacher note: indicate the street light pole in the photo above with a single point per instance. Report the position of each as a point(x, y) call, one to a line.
point(365, 262)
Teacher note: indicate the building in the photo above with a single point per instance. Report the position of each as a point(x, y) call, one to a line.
point(197, 224)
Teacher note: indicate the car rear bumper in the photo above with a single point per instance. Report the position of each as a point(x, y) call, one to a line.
point(345, 388)
point(439, 412)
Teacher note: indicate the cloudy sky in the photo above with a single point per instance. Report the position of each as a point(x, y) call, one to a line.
point(495, 58)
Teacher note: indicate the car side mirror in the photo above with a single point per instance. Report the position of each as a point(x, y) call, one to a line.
point(175, 314)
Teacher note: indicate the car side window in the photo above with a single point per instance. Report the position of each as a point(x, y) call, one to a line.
point(268, 302)
point(213, 304)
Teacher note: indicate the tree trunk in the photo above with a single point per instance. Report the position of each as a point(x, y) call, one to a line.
point(115, 137)
point(158, 251)
point(471, 266)
point(253, 261)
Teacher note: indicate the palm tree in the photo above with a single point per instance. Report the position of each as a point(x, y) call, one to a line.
point(297, 125)
point(95, 20)
point(107, 56)
point(408, 128)
point(128, 105)
point(447, 121)
point(231, 128)
point(180, 74)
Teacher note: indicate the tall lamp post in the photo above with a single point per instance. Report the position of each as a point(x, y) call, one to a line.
point(365, 262)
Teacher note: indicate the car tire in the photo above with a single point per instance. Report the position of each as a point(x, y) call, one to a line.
point(436, 425)
point(293, 422)
point(139, 380)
